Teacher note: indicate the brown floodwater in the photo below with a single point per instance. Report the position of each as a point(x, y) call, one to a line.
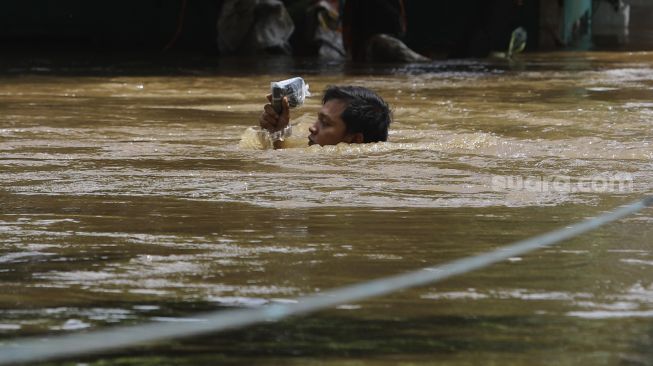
point(128, 198)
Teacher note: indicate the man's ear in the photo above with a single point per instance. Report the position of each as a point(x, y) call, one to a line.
point(356, 138)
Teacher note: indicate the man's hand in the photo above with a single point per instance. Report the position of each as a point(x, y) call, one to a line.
point(273, 121)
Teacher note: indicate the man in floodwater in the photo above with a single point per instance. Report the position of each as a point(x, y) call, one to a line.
point(349, 114)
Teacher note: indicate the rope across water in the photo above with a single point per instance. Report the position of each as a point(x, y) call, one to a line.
point(40, 349)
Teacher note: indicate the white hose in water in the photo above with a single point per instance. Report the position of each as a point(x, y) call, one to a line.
point(56, 347)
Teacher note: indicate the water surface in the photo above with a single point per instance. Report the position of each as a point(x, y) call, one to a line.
point(126, 198)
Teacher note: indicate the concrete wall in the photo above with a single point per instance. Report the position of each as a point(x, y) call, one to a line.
point(640, 34)
point(630, 27)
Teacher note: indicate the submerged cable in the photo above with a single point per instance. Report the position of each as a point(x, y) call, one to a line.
point(39, 349)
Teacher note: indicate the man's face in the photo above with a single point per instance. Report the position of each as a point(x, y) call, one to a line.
point(329, 129)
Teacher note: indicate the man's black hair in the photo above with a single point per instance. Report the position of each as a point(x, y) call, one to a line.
point(366, 111)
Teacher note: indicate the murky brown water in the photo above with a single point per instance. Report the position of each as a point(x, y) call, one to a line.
point(128, 199)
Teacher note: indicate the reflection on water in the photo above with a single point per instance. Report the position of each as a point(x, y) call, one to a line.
point(128, 198)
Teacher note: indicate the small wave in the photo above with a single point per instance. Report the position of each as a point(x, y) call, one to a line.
point(605, 314)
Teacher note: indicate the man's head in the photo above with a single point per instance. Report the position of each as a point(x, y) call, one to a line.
point(351, 114)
